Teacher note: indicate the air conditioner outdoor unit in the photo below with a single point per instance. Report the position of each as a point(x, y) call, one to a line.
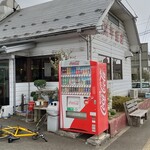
point(134, 93)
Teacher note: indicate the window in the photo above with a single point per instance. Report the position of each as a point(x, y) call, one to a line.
point(38, 68)
point(106, 59)
point(113, 19)
point(33, 68)
point(137, 85)
point(21, 69)
point(117, 69)
point(4, 83)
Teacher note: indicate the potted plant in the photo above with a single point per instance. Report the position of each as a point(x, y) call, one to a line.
point(37, 95)
point(61, 55)
point(53, 95)
point(40, 85)
point(34, 95)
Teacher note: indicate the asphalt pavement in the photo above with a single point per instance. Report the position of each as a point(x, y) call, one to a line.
point(134, 138)
point(55, 141)
point(131, 138)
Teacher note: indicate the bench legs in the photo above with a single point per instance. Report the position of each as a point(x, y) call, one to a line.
point(138, 121)
point(146, 115)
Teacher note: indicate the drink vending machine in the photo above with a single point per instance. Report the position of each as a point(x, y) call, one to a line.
point(83, 96)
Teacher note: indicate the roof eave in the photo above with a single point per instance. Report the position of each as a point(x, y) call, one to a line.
point(129, 22)
point(33, 38)
point(100, 21)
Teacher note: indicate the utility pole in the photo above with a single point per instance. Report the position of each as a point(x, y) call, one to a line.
point(140, 69)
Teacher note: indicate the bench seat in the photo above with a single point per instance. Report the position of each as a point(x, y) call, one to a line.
point(135, 116)
point(139, 113)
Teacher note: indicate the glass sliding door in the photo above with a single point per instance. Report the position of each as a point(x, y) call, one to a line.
point(4, 83)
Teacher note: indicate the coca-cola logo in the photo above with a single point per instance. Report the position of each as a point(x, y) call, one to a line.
point(74, 63)
point(103, 92)
point(74, 103)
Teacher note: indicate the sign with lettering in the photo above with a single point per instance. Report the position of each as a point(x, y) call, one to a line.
point(103, 92)
point(73, 102)
point(112, 32)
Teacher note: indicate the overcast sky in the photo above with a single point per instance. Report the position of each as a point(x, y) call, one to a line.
point(141, 8)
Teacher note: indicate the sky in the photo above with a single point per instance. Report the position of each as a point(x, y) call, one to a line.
point(139, 8)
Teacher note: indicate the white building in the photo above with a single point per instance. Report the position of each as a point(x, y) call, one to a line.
point(145, 64)
point(101, 30)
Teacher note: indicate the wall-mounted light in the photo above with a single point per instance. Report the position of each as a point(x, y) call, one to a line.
point(10, 49)
point(128, 54)
point(135, 48)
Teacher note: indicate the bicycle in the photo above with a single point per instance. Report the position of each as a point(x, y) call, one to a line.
point(41, 121)
point(16, 132)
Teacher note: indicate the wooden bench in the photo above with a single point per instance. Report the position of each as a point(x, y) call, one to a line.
point(135, 116)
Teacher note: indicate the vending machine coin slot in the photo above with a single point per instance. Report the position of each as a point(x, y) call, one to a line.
point(74, 114)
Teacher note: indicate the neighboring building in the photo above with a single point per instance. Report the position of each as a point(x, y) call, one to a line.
point(145, 64)
point(101, 30)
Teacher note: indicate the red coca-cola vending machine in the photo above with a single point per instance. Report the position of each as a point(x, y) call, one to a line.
point(83, 96)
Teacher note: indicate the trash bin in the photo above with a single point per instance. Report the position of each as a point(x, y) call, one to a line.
point(53, 116)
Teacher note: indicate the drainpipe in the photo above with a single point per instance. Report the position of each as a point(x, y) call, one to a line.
point(90, 47)
point(14, 83)
point(87, 39)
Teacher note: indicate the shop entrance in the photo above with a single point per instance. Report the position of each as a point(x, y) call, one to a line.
point(4, 83)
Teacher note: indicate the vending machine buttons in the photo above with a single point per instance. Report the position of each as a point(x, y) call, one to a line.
point(93, 128)
point(93, 120)
point(93, 114)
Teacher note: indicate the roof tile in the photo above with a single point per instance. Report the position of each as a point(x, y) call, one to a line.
point(53, 16)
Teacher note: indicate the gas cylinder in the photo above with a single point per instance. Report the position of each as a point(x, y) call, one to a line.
point(31, 105)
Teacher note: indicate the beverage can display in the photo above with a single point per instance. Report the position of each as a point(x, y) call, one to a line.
point(76, 78)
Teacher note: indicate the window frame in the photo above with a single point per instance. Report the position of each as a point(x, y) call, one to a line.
point(39, 63)
point(113, 19)
point(117, 76)
point(109, 67)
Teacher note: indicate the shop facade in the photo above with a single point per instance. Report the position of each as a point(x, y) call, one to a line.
point(98, 32)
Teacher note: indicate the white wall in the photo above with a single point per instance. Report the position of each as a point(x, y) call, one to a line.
point(27, 88)
point(107, 46)
point(75, 44)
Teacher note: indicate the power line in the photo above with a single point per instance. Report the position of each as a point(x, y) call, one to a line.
point(146, 29)
point(132, 9)
point(143, 23)
point(144, 33)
